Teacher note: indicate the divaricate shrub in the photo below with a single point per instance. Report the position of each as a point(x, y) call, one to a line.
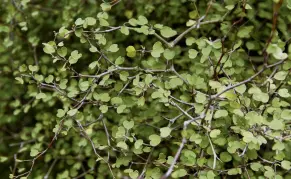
point(145, 89)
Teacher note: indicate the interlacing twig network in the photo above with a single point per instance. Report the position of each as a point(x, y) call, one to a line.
point(212, 98)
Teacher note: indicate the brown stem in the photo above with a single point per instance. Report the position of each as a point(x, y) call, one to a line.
point(276, 8)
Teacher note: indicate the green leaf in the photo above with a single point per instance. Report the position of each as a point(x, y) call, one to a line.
point(63, 33)
point(124, 30)
point(3, 159)
point(165, 132)
point(79, 21)
point(75, 56)
point(210, 175)
point(20, 80)
point(188, 157)
point(241, 89)
point(93, 49)
point(245, 31)
point(23, 68)
point(154, 140)
point(93, 64)
point(116, 100)
point(196, 138)
point(131, 52)
point(121, 108)
point(283, 93)
point(269, 173)
point(278, 146)
point(123, 75)
point(234, 171)
point(90, 21)
point(103, 108)
point(132, 22)
point(179, 173)
point(148, 79)
point(63, 84)
point(62, 51)
point(200, 98)
point(4, 28)
point(128, 124)
point(141, 101)
point(120, 132)
point(138, 143)
point(33, 152)
point(49, 79)
point(170, 160)
point(190, 23)
point(142, 20)
point(229, 7)
point(72, 112)
point(175, 82)
point(104, 97)
point(113, 48)
point(281, 75)
point(276, 51)
point(48, 48)
point(190, 41)
point(157, 94)
point(220, 113)
point(84, 85)
point(256, 166)
point(122, 145)
point(103, 22)
point(280, 56)
point(119, 60)
point(60, 113)
point(105, 7)
point(206, 51)
point(225, 157)
point(214, 133)
point(168, 32)
point(254, 118)
point(276, 124)
point(248, 136)
point(286, 165)
point(248, 6)
point(254, 90)
point(217, 44)
point(168, 54)
point(157, 49)
point(192, 53)
point(38, 77)
point(263, 97)
point(134, 174)
point(40, 96)
point(286, 114)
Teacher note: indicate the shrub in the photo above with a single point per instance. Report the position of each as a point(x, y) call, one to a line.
point(146, 89)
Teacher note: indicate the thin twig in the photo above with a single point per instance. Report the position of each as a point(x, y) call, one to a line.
point(50, 169)
point(177, 155)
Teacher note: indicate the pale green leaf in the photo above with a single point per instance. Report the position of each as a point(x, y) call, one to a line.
point(168, 32)
point(286, 114)
point(113, 48)
point(128, 124)
point(220, 113)
point(131, 52)
point(165, 132)
point(154, 140)
point(72, 112)
point(103, 108)
point(214, 133)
